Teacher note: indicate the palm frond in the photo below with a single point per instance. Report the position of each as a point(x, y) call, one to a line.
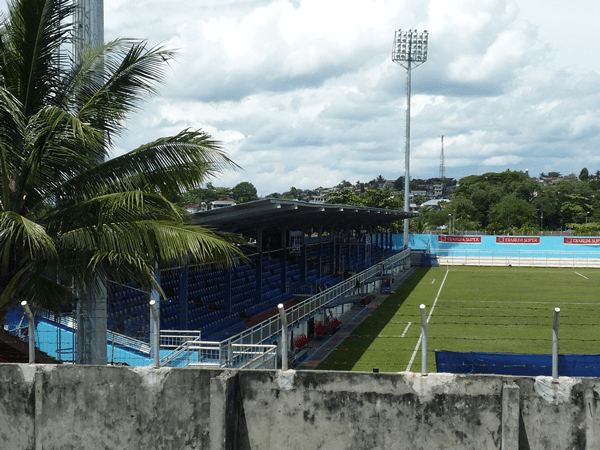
point(18, 231)
point(12, 126)
point(113, 79)
point(34, 33)
point(113, 208)
point(170, 165)
point(152, 240)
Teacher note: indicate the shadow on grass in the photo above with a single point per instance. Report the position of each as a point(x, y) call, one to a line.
point(351, 349)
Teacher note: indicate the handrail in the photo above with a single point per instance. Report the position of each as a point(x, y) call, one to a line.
point(111, 336)
point(175, 338)
point(128, 342)
point(272, 326)
point(184, 347)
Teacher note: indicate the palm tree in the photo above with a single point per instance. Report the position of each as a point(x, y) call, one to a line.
point(70, 218)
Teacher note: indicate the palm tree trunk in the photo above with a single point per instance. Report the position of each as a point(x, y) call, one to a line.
point(92, 315)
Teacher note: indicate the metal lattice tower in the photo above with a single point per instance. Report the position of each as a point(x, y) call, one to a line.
point(442, 166)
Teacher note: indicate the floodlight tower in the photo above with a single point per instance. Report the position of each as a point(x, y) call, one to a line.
point(409, 51)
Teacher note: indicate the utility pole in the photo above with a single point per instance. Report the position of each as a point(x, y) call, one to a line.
point(89, 24)
point(92, 311)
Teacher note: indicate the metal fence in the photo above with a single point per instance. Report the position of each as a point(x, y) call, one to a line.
point(270, 328)
point(57, 334)
point(251, 348)
point(525, 258)
point(172, 339)
point(215, 354)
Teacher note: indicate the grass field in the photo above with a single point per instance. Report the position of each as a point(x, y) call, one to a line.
point(487, 309)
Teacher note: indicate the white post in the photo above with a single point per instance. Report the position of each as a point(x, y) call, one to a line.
point(555, 344)
point(423, 340)
point(156, 327)
point(31, 321)
point(284, 333)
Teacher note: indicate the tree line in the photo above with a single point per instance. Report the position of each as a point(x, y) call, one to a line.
point(513, 203)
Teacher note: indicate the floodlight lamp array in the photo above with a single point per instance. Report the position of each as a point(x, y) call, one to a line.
point(410, 46)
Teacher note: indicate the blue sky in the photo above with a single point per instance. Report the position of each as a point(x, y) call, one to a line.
point(304, 93)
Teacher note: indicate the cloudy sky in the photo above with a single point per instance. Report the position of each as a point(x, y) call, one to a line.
point(304, 93)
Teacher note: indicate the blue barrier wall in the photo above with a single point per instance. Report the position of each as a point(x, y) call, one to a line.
point(586, 247)
point(516, 364)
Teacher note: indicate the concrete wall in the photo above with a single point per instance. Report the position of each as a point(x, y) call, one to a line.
point(69, 407)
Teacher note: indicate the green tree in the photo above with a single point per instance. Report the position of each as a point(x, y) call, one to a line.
point(584, 175)
point(345, 197)
point(378, 198)
point(547, 203)
point(293, 193)
point(68, 216)
point(244, 192)
point(512, 211)
point(485, 191)
point(464, 212)
point(576, 209)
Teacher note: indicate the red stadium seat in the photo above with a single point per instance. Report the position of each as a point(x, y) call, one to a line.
point(319, 328)
point(335, 323)
point(301, 341)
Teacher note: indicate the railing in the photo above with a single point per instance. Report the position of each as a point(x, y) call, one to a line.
point(523, 258)
point(271, 327)
point(298, 288)
point(175, 338)
point(180, 356)
point(209, 353)
point(255, 356)
point(247, 349)
point(112, 338)
point(127, 342)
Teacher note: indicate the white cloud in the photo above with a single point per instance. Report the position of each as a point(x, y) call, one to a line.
point(304, 93)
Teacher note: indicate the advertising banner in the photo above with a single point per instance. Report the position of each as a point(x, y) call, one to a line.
point(460, 239)
point(582, 240)
point(517, 240)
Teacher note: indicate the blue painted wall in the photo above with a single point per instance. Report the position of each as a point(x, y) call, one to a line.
point(547, 246)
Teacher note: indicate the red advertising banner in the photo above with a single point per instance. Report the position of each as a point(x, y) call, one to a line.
point(517, 240)
point(582, 240)
point(460, 239)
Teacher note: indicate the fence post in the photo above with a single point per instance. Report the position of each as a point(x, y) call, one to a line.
point(31, 321)
point(156, 343)
point(229, 361)
point(555, 344)
point(284, 329)
point(423, 340)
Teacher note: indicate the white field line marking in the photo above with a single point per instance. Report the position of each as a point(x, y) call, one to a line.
point(433, 281)
point(412, 358)
point(583, 276)
point(406, 329)
point(474, 302)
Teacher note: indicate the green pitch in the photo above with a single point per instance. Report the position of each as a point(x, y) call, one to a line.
point(486, 309)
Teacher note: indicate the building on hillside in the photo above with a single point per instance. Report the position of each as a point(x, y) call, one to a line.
point(222, 202)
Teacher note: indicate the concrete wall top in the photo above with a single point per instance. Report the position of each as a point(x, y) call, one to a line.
point(64, 407)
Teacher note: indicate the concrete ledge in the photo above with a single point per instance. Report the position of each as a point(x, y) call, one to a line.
point(96, 407)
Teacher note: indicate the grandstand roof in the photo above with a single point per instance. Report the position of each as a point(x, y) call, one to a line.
point(293, 214)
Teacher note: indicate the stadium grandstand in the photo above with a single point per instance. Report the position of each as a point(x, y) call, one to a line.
point(315, 259)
